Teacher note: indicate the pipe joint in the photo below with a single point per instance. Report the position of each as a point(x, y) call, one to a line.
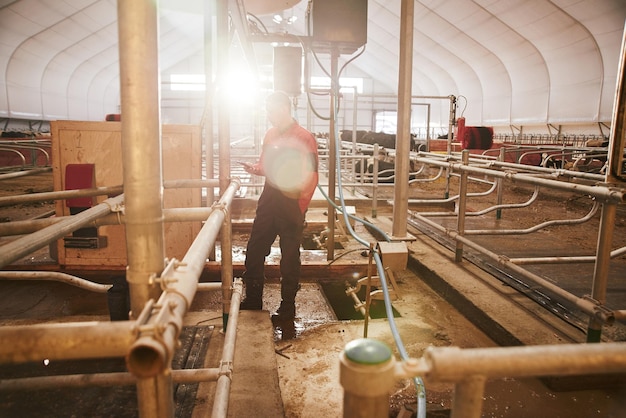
point(225, 369)
point(601, 312)
point(220, 206)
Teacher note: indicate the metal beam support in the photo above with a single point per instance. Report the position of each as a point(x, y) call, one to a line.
point(403, 134)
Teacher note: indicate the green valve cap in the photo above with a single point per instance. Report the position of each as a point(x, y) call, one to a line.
point(367, 351)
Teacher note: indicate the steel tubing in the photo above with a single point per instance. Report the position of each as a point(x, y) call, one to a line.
point(24, 173)
point(190, 183)
point(587, 306)
point(601, 192)
point(468, 397)
point(222, 391)
point(25, 245)
point(141, 147)
point(102, 379)
point(565, 260)
point(151, 353)
point(57, 277)
point(405, 80)
point(453, 364)
point(118, 218)
point(65, 341)
point(63, 194)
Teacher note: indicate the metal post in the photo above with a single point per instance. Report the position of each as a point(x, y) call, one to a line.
point(27, 244)
point(375, 156)
point(143, 176)
point(224, 379)
point(615, 172)
point(451, 124)
point(601, 269)
point(461, 208)
point(468, 397)
point(141, 148)
point(332, 156)
point(367, 376)
point(403, 134)
point(499, 186)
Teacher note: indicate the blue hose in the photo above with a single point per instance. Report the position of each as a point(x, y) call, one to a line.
point(419, 384)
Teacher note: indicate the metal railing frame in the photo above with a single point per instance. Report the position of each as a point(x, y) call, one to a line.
point(368, 384)
point(149, 341)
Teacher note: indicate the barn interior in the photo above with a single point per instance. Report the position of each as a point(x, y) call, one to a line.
point(464, 252)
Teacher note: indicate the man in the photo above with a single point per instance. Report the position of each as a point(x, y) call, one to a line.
point(289, 162)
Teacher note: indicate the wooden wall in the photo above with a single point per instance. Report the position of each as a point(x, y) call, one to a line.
point(99, 143)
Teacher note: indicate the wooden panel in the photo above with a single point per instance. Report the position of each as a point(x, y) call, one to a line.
point(100, 143)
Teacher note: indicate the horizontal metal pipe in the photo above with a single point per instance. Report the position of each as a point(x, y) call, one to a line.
point(25, 245)
point(565, 260)
point(585, 305)
point(118, 218)
point(97, 191)
point(453, 364)
point(23, 173)
point(62, 194)
point(65, 341)
point(190, 183)
point(57, 277)
point(208, 287)
point(222, 390)
point(601, 192)
point(150, 354)
point(555, 222)
point(102, 379)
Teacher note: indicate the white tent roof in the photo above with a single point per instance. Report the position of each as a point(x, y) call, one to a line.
point(517, 62)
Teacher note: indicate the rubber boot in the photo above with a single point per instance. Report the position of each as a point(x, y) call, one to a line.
point(285, 315)
point(254, 297)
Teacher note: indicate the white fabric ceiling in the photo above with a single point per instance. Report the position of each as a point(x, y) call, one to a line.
point(518, 62)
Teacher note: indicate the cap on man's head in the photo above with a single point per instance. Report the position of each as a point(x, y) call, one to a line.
point(278, 98)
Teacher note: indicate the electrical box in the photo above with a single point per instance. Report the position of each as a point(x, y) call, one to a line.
point(340, 24)
point(394, 255)
point(288, 69)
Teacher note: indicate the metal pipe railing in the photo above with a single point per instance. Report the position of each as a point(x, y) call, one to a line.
point(58, 195)
point(103, 379)
point(150, 354)
point(65, 341)
point(25, 245)
point(368, 371)
point(57, 277)
point(588, 306)
point(24, 173)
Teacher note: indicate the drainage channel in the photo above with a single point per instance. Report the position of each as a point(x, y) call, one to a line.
point(560, 308)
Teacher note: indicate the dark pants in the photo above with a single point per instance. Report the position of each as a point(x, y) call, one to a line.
point(266, 227)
